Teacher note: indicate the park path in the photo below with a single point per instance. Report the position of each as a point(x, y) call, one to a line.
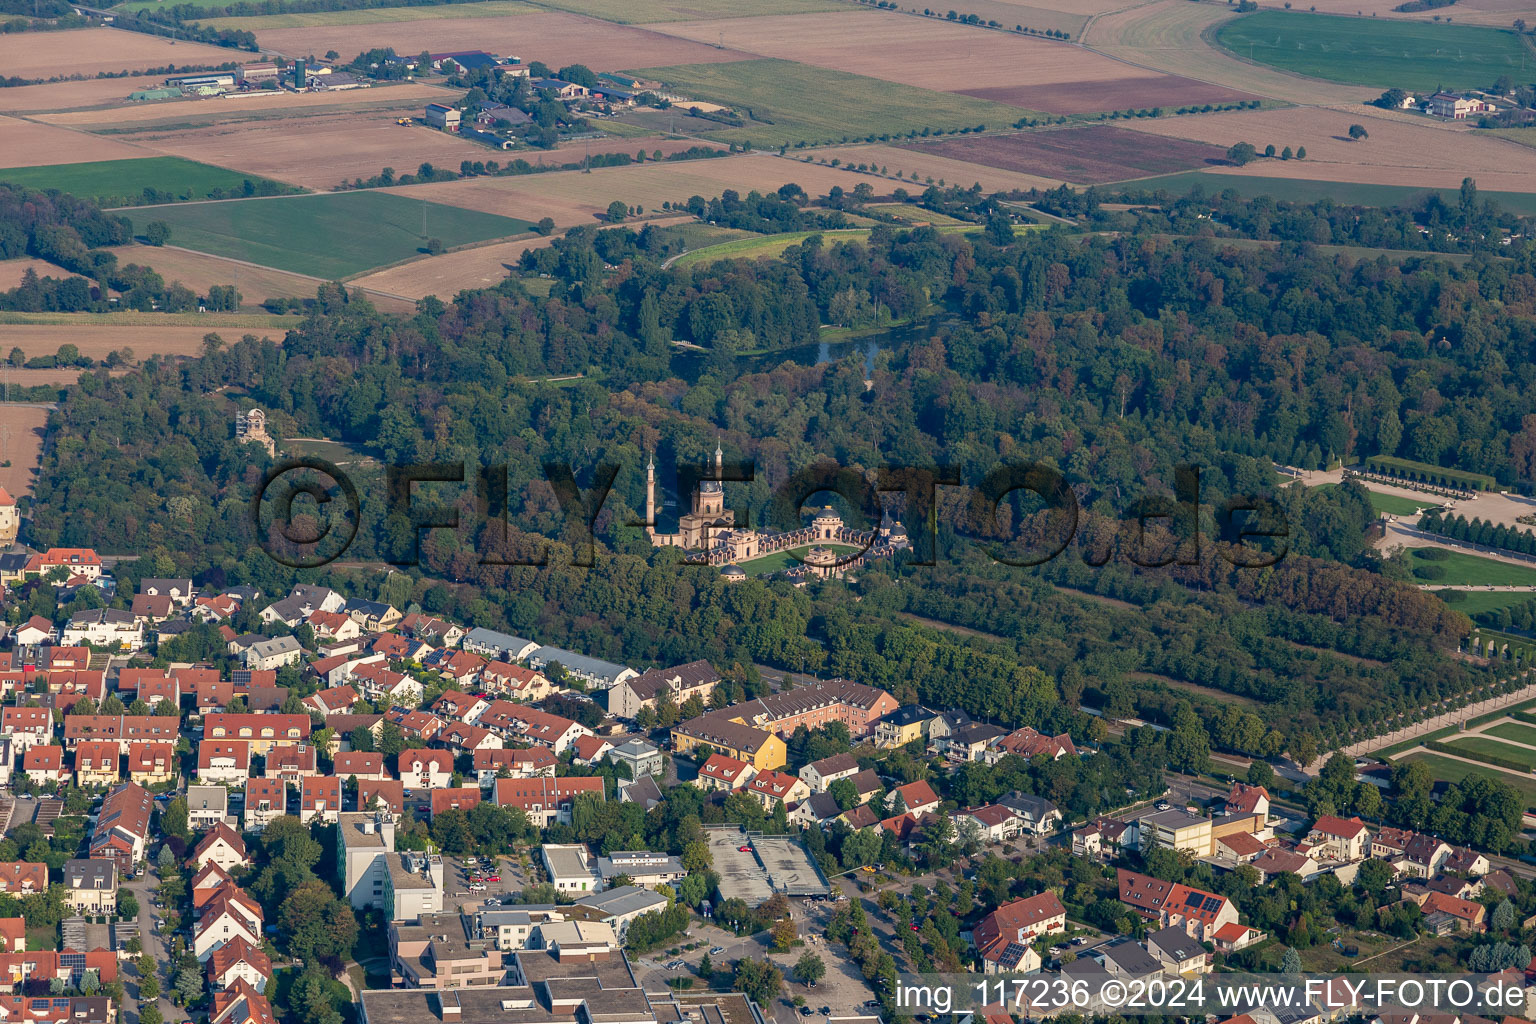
point(1440, 721)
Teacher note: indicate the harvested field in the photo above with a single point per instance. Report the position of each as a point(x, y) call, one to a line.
point(11, 271)
point(1167, 35)
point(95, 92)
point(571, 197)
point(920, 52)
point(1367, 51)
point(920, 167)
point(372, 16)
point(629, 12)
point(198, 270)
point(61, 377)
point(21, 445)
point(28, 144)
point(199, 111)
point(331, 236)
point(1083, 156)
point(559, 37)
point(88, 51)
point(97, 340)
point(483, 266)
point(1309, 190)
point(1396, 153)
point(787, 103)
point(318, 152)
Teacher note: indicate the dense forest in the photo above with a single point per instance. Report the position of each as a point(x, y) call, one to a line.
point(1112, 356)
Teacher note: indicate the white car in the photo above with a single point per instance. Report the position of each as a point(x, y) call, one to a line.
point(477, 887)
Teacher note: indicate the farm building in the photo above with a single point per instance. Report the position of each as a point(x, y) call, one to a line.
point(560, 90)
point(489, 138)
point(442, 116)
point(146, 95)
point(264, 71)
point(491, 113)
point(338, 80)
point(618, 97)
point(1457, 108)
point(224, 78)
point(469, 60)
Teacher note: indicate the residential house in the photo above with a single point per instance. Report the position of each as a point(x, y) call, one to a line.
point(674, 685)
point(240, 1003)
point(993, 823)
point(1277, 861)
point(721, 773)
point(1455, 106)
point(21, 878)
point(262, 731)
point(303, 601)
point(360, 765)
point(1180, 953)
point(45, 766)
point(1005, 938)
point(641, 867)
point(916, 799)
point(228, 915)
point(180, 592)
point(26, 727)
point(460, 798)
point(224, 761)
point(292, 762)
point(516, 763)
point(971, 742)
point(374, 616)
point(771, 788)
point(460, 707)
point(1028, 743)
point(1465, 915)
point(151, 764)
point(486, 642)
point(148, 609)
point(1341, 840)
point(460, 666)
point(36, 630)
point(1465, 861)
point(819, 775)
point(239, 960)
point(1037, 815)
point(570, 867)
point(723, 731)
point(639, 757)
point(546, 801)
point(378, 684)
point(207, 806)
point(223, 846)
point(534, 726)
point(335, 700)
point(265, 801)
point(388, 794)
point(90, 887)
point(1245, 799)
point(122, 827)
point(104, 627)
point(1104, 837)
point(75, 562)
point(590, 750)
point(466, 739)
point(1176, 829)
point(425, 769)
point(816, 810)
point(902, 726)
point(1238, 848)
point(273, 653)
point(596, 672)
point(515, 682)
point(320, 797)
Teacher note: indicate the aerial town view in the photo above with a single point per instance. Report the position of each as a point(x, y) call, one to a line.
point(767, 512)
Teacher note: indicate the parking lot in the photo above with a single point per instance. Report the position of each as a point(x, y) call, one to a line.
point(456, 881)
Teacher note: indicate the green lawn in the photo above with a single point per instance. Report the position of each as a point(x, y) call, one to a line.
point(1474, 745)
point(909, 211)
point(1448, 770)
point(1392, 504)
point(1476, 602)
point(783, 560)
point(1464, 570)
point(334, 235)
point(118, 182)
point(1304, 190)
point(1414, 55)
point(1516, 731)
point(784, 102)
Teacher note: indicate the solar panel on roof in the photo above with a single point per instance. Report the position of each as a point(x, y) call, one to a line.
point(1213, 903)
point(1193, 899)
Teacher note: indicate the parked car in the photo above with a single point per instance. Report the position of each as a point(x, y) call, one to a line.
point(476, 887)
point(716, 950)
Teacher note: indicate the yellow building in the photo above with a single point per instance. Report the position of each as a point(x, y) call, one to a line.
point(726, 733)
point(902, 726)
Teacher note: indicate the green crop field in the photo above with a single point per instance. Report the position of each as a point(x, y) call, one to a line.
point(784, 102)
point(1464, 570)
point(783, 560)
point(116, 182)
point(1414, 55)
point(334, 235)
point(1475, 745)
point(1304, 190)
point(1513, 731)
point(639, 12)
point(1449, 770)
